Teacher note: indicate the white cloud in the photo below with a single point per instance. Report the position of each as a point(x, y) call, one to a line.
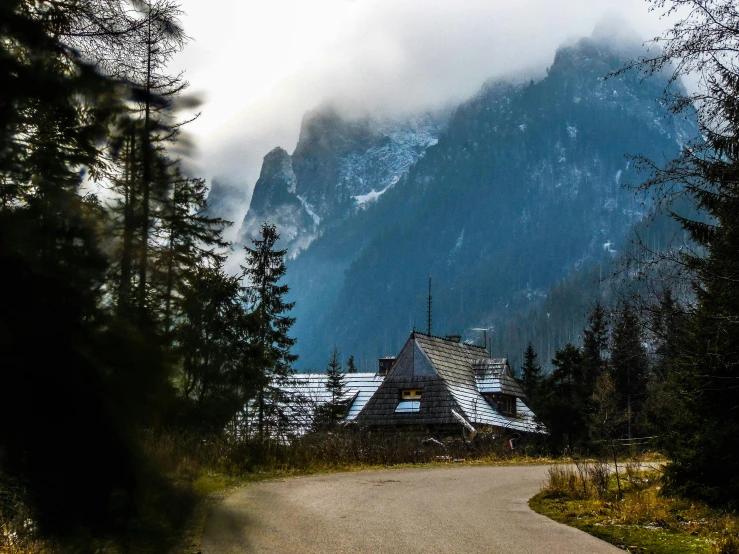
point(262, 65)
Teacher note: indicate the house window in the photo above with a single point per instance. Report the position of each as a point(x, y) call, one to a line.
point(507, 404)
point(408, 407)
point(504, 403)
point(410, 394)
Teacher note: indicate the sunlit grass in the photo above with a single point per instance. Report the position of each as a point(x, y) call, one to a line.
point(643, 520)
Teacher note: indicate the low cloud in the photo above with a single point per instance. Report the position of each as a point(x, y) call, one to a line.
point(378, 56)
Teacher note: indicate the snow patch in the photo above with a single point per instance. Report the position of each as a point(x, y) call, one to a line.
point(618, 177)
point(522, 126)
point(460, 241)
point(362, 200)
point(308, 208)
point(572, 131)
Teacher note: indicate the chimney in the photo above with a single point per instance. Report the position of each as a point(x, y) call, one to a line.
point(386, 364)
point(454, 338)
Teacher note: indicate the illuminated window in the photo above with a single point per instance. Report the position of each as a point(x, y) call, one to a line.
point(410, 394)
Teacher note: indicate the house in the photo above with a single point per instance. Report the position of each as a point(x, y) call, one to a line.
point(443, 386)
point(435, 385)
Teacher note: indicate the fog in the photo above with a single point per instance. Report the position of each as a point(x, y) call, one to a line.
point(261, 68)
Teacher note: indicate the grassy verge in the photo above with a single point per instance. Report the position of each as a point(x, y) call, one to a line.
point(641, 519)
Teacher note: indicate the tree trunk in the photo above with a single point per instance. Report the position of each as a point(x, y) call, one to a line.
point(146, 174)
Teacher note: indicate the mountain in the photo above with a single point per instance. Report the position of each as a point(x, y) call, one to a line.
point(521, 191)
point(339, 167)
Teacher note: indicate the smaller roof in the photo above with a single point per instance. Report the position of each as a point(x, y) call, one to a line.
point(358, 390)
point(494, 376)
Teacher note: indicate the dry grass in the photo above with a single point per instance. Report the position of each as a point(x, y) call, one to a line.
point(643, 520)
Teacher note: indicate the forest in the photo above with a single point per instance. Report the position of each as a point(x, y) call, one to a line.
point(129, 354)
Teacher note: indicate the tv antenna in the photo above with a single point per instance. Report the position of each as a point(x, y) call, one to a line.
point(485, 334)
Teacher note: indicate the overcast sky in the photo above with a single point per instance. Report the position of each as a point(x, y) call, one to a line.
point(261, 65)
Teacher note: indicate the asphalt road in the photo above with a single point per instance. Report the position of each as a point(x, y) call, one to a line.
point(465, 509)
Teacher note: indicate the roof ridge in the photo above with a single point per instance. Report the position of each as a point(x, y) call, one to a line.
point(448, 340)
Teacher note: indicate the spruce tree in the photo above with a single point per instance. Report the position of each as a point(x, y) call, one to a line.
point(563, 406)
point(629, 366)
point(531, 374)
point(666, 326)
point(264, 295)
point(193, 240)
point(335, 384)
point(703, 43)
point(212, 340)
point(351, 366)
point(595, 345)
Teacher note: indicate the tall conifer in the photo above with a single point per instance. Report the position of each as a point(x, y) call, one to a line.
point(531, 374)
point(704, 44)
point(335, 385)
point(595, 345)
point(629, 366)
point(263, 270)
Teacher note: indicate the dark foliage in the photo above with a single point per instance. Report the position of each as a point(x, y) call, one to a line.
point(531, 376)
point(703, 355)
point(564, 407)
point(264, 295)
point(629, 367)
point(595, 345)
point(118, 320)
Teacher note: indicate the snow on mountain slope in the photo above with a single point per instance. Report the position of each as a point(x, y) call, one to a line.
point(339, 166)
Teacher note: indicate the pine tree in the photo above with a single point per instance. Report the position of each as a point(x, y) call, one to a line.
point(629, 366)
point(263, 271)
point(531, 375)
point(212, 340)
point(69, 363)
point(595, 345)
point(335, 384)
point(193, 240)
point(704, 370)
point(351, 366)
point(563, 406)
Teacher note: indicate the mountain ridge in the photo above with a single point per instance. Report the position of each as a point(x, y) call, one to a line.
point(521, 189)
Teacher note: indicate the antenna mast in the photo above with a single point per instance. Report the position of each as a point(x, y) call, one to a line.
point(428, 329)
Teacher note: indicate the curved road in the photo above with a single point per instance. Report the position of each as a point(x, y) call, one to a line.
point(465, 509)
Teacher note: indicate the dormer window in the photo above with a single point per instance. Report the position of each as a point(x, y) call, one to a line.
point(410, 401)
point(503, 403)
point(507, 404)
point(410, 394)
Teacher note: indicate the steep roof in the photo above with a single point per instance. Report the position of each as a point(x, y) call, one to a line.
point(445, 371)
point(412, 369)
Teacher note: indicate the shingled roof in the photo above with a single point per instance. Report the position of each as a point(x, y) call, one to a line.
point(452, 377)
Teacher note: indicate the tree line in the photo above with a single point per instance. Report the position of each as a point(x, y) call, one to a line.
point(682, 388)
point(118, 315)
point(623, 366)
